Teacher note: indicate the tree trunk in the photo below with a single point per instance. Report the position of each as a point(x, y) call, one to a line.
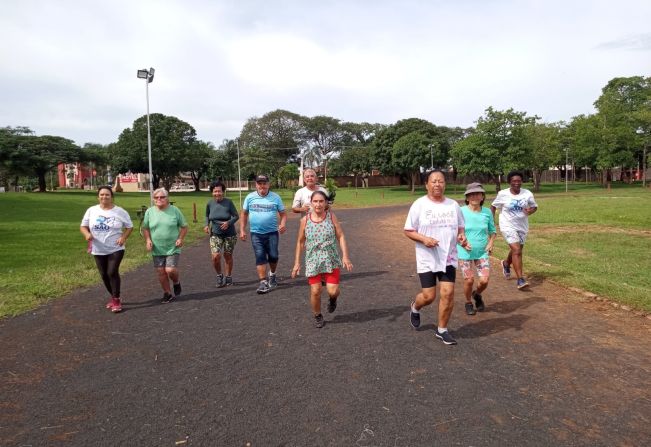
point(498, 185)
point(195, 180)
point(42, 187)
point(414, 179)
point(537, 174)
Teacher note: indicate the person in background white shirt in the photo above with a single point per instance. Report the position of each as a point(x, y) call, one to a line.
point(107, 227)
point(516, 204)
point(436, 224)
point(301, 203)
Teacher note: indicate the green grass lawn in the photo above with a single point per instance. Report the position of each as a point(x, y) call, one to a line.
point(591, 238)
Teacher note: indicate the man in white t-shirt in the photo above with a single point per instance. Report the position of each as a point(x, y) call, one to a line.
point(436, 224)
point(516, 204)
point(301, 203)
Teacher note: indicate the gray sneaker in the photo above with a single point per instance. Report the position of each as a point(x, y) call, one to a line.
point(446, 338)
point(318, 321)
point(273, 283)
point(263, 287)
point(228, 281)
point(220, 280)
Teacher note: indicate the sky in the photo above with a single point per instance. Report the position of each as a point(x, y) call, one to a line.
point(68, 67)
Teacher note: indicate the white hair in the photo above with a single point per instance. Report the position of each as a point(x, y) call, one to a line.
point(163, 190)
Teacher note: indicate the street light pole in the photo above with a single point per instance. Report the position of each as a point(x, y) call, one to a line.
point(431, 158)
point(148, 76)
point(566, 155)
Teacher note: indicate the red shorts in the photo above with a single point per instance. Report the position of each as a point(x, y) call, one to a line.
point(329, 278)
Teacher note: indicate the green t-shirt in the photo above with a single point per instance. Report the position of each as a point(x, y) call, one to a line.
point(164, 226)
point(479, 225)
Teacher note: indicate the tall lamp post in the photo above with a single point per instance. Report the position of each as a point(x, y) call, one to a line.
point(148, 76)
point(566, 161)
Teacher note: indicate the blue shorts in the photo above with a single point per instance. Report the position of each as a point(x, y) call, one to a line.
point(265, 247)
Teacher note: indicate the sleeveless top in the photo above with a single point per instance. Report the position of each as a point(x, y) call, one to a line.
point(321, 255)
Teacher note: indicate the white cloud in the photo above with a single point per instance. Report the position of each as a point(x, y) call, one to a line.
point(69, 67)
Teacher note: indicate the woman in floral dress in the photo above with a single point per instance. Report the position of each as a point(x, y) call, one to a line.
point(319, 232)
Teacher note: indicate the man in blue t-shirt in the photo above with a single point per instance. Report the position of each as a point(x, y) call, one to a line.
point(261, 210)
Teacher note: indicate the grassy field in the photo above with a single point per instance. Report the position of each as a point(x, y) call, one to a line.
point(591, 238)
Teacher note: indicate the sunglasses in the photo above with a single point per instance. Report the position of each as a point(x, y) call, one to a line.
point(160, 197)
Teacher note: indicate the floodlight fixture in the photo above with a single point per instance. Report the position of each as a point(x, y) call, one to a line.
point(148, 75)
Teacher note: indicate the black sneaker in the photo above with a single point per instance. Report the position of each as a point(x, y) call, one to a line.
point(415, 317)
point(220, 281)
point(318, 321)
point(470, 309)
point(332, 305)
point(167, 297)
point(479, 302)
point(273, 283)
point(506, 270)
point(177, 289)
point(228, 281)
point(446, 338)
point(263, 287)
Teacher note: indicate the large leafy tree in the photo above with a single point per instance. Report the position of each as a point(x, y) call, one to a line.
point(328, 135)
point(223, 161)
point(23, 153)
point(410, 153)
point(497, 145)
point(545, 148)
point(173, 143)
point(621, 108)
point(201, 155)
point(9, 144)
point(385, 158)
point(354, 160)
point(280, 132)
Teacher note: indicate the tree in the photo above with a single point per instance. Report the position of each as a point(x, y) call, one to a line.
point(200, 161)
point(223, 161)
point(287, 174)
point(620, 107)
point(280, 132)
point(545, 149)
point(410, 153)
point(497, 145)
point(24, 153)
point(354, 160)
point(9, 144)
point(256, 161)
point(383, 155)
point(173, 146)
point(328, 135)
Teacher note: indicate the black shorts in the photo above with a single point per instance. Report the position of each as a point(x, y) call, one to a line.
point(428, 279)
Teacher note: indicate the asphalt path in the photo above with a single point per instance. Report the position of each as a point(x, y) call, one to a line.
point(228, 367)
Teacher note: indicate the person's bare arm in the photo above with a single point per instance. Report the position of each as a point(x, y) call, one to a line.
point(339, 232)
point(244, 220)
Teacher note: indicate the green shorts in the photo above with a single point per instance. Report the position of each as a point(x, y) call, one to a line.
point(224, 244)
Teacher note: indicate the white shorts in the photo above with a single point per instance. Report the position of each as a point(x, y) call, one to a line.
point(514, 236)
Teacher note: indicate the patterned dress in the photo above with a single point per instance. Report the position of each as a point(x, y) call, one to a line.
point(321, 254)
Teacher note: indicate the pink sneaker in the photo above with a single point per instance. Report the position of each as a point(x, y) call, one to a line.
point(116, 305)
point(109, 305)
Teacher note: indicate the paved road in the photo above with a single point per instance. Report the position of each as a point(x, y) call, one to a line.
point(227, 367)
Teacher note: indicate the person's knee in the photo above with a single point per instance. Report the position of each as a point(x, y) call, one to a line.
point(429, 297)
point(333, 290)
point(516, 249)
point(483, 281)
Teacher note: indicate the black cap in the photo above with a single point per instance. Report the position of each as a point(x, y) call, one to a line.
point(262, 179)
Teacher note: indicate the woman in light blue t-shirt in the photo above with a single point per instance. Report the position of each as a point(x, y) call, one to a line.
point(480, 231)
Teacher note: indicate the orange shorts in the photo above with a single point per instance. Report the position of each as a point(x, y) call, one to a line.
point(329, 278)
